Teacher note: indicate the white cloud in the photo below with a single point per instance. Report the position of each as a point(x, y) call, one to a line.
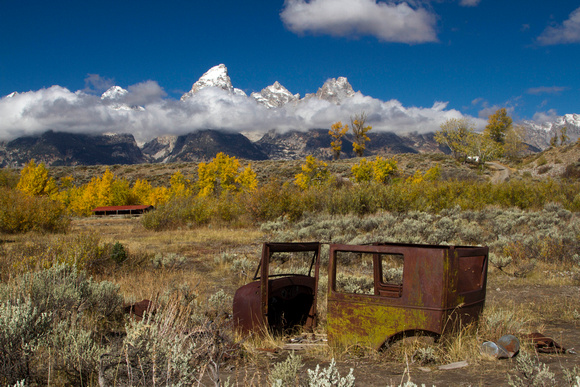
point(469, 3)
point(389, 21)
point(568, 32)
point(542, 117)
point(489, 110)
point(94, 83)
point(59, 109)
point(546, 90)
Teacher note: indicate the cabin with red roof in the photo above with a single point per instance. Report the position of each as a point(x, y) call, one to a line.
point(122, 210)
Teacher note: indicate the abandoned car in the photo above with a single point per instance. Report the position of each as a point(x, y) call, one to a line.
point(376, 293)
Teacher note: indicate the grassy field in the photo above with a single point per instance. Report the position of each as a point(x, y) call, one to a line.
point(74, 330)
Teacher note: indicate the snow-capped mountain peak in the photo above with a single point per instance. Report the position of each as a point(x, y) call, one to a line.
point(114, 93)
point(334, 90)
point(115, 98)
point(275, 96)
point(218, 77)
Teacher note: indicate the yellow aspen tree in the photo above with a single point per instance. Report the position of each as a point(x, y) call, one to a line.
point(362, 171)
point(454, 133)
point(141, 192)
point(383, 169)
point(104, 188)
point(360, 131)
point(227, 169)
point(247, 179)
point(337, 132)
point(179, 185)
point(159, 195)
point(34, 180)
point(223, 174)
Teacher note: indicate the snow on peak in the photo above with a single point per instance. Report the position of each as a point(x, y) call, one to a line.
point(335, 90)
point(218, 77)
point(275, 96)
point(115, 98)
point(114, 93)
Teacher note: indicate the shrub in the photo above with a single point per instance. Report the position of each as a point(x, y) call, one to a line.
point(118, 253)
point(60, 310)
point(286, 373)
point(81, 251)
point(329, 377)
point(532, 371)
point(21, 213)
point(169, 348)
point(22, 329)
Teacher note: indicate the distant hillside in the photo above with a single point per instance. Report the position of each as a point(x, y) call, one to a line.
point(201, 145)
point(59, 148)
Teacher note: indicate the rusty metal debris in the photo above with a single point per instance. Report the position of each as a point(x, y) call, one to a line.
point(506, 347)
point(138, 309)
point(376, 293)
point(545, 344)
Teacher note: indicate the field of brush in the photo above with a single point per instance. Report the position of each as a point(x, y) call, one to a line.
point(62, 294)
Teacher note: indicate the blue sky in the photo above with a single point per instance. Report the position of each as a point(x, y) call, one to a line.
point(474, 55)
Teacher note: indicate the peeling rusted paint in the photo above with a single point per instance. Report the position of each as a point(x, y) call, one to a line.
point(431, 300)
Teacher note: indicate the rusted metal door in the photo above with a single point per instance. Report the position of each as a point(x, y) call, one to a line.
point(279, 301)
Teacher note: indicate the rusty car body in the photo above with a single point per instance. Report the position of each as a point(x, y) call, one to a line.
point(436, 289)
point(280, 301)
point(376, 293)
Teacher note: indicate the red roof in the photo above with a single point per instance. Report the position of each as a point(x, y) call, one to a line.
point(121, 208)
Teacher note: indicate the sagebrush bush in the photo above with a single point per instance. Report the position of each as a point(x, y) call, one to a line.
point(286, 373)
point(55, 317)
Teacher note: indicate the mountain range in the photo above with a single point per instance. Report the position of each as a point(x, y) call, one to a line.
point(55, 147)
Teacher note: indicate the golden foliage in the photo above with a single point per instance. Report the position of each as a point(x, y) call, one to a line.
point(34, 180)
point(223, 174)
point(337, 132)
point(314, 173)
point(498, 124)
point(360, 131)
point(380, 170)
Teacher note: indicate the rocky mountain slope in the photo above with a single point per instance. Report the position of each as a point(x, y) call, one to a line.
point(58, 148)
point(540, 134)
point(202, 145)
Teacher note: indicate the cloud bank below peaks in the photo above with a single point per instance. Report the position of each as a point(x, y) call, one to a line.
point(144, 111)
point(389, 21)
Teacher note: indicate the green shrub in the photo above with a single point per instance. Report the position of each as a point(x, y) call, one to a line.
point(118, 253)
